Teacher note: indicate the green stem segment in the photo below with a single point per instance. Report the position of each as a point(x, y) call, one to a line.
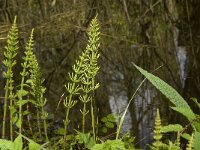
point(5, 109)
point(84, 113)
point(44, 123)
point(11, 114)
point(9, 62)
point(92, 111)
point(68, 104)
point(21, 99)
point(38, 122)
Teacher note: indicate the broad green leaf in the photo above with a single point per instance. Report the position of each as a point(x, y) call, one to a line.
point(21, 93)
point(110, 145)
point(18, 144)
point(6, 145)
point(104, 119)
point(32, 145)
point(29, 81)
point(196, 101)
point(197, 125)
point(185, 112)
point(15, 118)
point(18, 123)
point(167, 90)
point(109, 124)
point(111, 118)
point(197, 140)
point(171, 128)
point(104, 129)
point(186, 136)
point(22, 102)
point(87, 139)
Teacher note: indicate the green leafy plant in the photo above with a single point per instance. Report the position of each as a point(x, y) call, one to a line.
point(37, 90)
point(128, 141)
point(17, 144)
point(22, 92)
point(107, 122)
point(82, 79)
point(89, 71)
point(110, 145)
point(181, 105)
point(86, 139)
point(9, 145)
point(82, 85)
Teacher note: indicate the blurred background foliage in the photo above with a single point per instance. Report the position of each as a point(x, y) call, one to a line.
point(148, 33)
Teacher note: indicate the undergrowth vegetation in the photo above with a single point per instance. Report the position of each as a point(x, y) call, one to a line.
point(19, 131)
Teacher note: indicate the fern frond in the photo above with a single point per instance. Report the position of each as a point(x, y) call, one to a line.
point(172, 128)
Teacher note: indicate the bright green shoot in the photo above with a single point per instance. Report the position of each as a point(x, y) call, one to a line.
point(9, 62)
point(83, 77)
point(157, 132)
point(21, 93)
point(90, 70)
point(38, 91)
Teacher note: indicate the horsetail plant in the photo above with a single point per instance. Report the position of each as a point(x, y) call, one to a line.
point(9, 62)
point(190, 145)
point(21, 93)
point(157, 132)
point(38, 91)
point(83, 76)
point(91, 69)
point(72, 88)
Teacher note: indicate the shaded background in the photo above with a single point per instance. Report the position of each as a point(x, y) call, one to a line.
point(149, 33)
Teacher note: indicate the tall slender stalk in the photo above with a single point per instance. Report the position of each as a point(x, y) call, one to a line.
point(69, 103)
point(38, 91)
point(44, 116)
point(92, 112)
point(38, 122)
point(29, 123)
point(79, 79)
point(125, 111)
point(9, 62)
point(22, 92)
point(91, 69)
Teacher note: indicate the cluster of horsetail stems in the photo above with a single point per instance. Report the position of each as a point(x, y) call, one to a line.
point(82, 79)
